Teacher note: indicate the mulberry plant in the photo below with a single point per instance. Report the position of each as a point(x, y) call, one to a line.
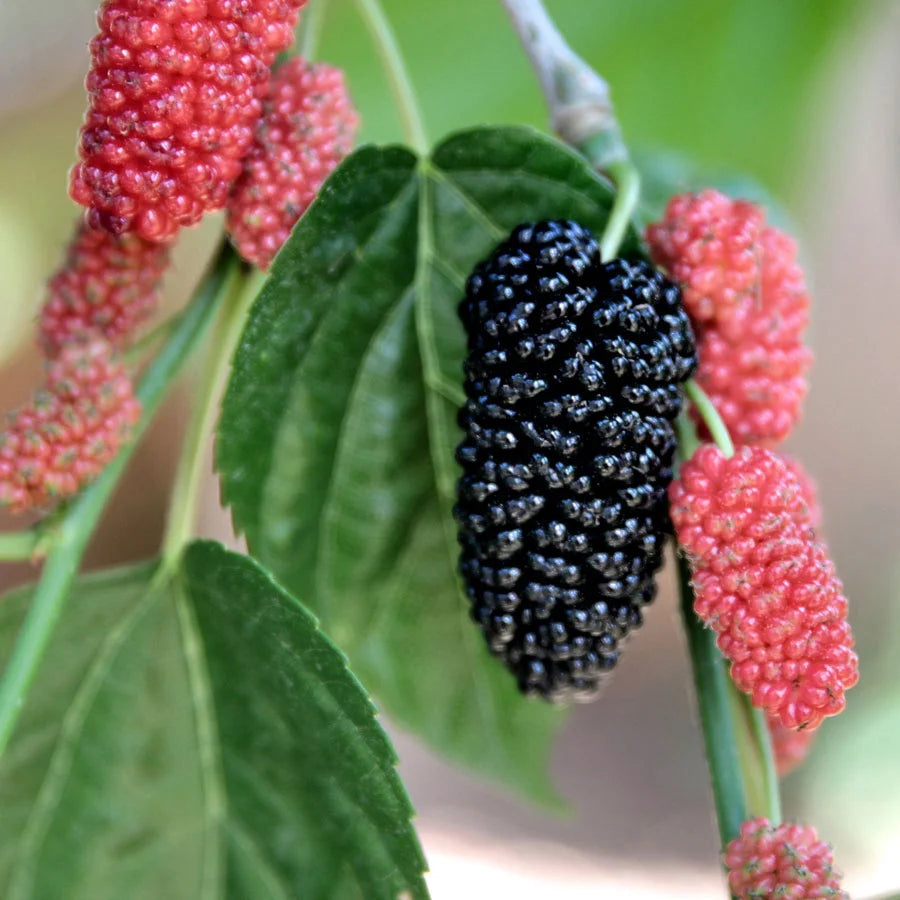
point(474, 406)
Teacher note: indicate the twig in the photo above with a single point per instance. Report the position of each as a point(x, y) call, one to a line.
point(581, 110)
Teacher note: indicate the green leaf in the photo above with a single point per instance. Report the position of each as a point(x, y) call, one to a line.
point(339, 425)
point(197, 736)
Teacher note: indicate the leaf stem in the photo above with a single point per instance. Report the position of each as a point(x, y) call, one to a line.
point(19, 545)
point(76, 526)
point(312, 19)
point(395, 67)
point(239, 293)
point(581, 110)
point(710, 416)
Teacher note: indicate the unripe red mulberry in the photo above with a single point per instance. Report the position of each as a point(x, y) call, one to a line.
point(786, 861)
point(764, 583)
point(709, 243)
point(106, 287)
point(750, 306)
point(174, 95)
point(789, 746)
point(307, 128)
point(72, 428)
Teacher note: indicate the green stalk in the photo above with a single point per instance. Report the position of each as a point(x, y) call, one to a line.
point(710, 416)
point(395, 67)
point(74, 529)
point(628, 193)
point(189, 477)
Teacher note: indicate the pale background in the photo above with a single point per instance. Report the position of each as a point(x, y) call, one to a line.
point(631, 764)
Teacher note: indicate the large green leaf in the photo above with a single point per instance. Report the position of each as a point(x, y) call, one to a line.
point(196, 735)
point(338, 427)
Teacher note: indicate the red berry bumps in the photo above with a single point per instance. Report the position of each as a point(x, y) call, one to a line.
point(72, 428)
point(764, 583)
point(749, 304)
point(307, 128)
point(107, 286)
point(709, 243)
point(174, 95)
point(784, 861)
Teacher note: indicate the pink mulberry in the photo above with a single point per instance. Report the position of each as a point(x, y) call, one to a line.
point(307, 128)
point(764, 583)
point(72, 428)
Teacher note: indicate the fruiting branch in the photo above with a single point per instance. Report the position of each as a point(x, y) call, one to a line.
point(717, 723)
point(75, 527)
point(581, 110)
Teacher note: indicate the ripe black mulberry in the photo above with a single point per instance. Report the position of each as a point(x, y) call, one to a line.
point(572, 385)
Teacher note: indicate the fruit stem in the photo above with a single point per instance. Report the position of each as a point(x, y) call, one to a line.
point(395, 67)
point(717, 720)
point(239, 293)
point(581, 111)
point(628, 183)
point(710, 416)
point(18, 545)
point(75, 527)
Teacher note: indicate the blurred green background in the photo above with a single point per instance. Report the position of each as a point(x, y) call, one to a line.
point(802, 97)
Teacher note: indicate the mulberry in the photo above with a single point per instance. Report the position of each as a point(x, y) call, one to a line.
point(174, 96)
point(572, 380)
point(106, 287)
point(783, 861)
point(709, 244)
point(307, 128)
point(764, 583)
point(72, 428)
point(749, 303)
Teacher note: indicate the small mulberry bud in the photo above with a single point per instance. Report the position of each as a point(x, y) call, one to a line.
point(174, 95)
point(789, 746)
point(572, 384)
point(750, 307)
point(784, 861)
point(107, 286)
point(764, 583)
point(308, 126)
point(72, 428)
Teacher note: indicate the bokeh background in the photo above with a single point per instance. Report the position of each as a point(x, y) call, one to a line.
point(802, 96)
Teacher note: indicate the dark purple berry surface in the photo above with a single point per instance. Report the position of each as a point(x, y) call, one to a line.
point(572, 379)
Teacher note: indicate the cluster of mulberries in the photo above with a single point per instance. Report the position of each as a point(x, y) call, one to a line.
point(572, 383)
point(175, 91)
point(71, 429)
point(749, 303)
point(765, 583)
point(308, 126)
point(106, 287)
point(783, 861)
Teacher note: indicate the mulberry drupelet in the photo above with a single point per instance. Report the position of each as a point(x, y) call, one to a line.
point(572, 383)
